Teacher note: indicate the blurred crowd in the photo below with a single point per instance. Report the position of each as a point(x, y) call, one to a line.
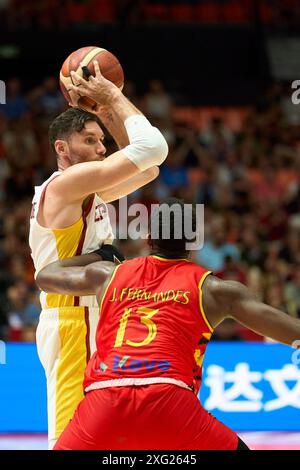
point(247, 177)
point(20, 15)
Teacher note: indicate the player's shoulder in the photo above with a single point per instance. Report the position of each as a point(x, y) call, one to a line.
point(224, 289)
point(135, 265)
point(191, 266)
point(40, 188)
point(49, 186)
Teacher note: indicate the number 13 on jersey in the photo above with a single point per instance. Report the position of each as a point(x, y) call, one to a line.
point(145, 319)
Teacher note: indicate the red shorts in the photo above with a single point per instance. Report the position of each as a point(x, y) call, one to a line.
point(160, 416)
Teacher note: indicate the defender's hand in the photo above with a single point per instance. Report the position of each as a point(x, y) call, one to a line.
point(110, 253)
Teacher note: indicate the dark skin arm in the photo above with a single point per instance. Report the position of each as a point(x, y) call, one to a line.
point(80, 275)
point(222, 299)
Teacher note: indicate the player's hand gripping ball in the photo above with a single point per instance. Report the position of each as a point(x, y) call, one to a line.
point(81, 61)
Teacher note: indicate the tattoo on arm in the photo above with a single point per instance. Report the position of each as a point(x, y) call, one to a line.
point(109, 117)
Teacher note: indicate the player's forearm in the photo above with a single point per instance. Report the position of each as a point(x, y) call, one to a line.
point(68, 280)
point(80, 260)
point(268, 321)
point(114, 115)
point(129, 186)
point(113, 107)
point(122, 107)
point(115, 125)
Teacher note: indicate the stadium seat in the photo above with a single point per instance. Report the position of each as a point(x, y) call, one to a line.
point(156, 12)
point(237, 12)
point(207, 12)
point(265, 12)
point(182, 13)
point(101, 11)
point(75, 12)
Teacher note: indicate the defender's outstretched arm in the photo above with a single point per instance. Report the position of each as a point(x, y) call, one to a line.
point(223, 299)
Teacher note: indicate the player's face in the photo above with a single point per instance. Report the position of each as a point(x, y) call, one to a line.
point(87, 145)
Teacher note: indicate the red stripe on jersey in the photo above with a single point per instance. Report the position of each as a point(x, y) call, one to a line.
point(85, 212)
point(33, 209)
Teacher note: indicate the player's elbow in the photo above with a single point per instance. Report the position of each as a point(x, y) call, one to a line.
point(152, 173)
point(147, 147)
point(158, 148)
point(49, 277)
point(152, 148)
point(43, 280)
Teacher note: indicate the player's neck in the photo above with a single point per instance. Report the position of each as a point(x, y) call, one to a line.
point(163, 254)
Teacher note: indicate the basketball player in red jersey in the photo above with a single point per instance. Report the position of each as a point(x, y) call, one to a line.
point(157, 314)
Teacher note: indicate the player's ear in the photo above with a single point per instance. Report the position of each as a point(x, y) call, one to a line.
point(61, 147)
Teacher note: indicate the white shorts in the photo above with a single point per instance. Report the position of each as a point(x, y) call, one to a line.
point(65, 341)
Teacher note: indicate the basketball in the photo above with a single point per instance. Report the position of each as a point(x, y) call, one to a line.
point(109, 65)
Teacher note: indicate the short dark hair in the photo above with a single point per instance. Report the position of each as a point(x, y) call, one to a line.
point(71, 120)
point(172, 246)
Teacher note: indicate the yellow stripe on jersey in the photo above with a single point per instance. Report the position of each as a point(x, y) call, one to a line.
point(200, 300)
point(72, 362)
point(67, 241)
point(198, 356)
point(170, 259)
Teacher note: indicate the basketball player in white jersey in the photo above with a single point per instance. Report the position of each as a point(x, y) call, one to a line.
point(69, 216)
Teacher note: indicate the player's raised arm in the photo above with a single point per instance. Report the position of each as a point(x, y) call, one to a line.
point(237, 302)
point(115, 126)
point(147, 147)
point(130, 185)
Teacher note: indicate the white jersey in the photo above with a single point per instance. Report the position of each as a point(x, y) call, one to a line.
point(85, 235)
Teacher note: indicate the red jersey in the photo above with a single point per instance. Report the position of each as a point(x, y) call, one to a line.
point(152, 326)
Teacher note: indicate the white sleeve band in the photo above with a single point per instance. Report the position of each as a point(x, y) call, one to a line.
point(147, 146)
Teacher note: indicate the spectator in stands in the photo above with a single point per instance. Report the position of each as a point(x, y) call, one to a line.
point(47, 100)
point(228, 330)
point(16, 103)
point(23, 310)
point(216, 248)
point(252, 253)
point(157, 101)
point(232, 271)
point(292, 292)
point(218, 138)
point(173, 173)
